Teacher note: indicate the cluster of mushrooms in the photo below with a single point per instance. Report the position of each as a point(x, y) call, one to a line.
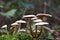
point(39, 21)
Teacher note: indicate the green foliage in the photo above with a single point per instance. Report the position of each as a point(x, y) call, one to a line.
point(9, 13)
point(24, 36)
point(16, 36)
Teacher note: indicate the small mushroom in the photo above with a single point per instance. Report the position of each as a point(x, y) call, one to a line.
point(28, 17)
point(20, 22)
point(43, 16)
point(37, 21)
point(14, 25)
point(42, 28)
point(4, 26)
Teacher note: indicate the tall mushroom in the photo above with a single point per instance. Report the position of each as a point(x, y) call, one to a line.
point(43, 16)
point(28, 17)
point(20, 22)
point(14, 25)
point(37, 21)
point(42, 25)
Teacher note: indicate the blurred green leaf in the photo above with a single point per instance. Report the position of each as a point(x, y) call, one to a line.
point(9, 13)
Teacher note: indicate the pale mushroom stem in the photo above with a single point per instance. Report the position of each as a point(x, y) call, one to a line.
point(27, 25)
point(14, 28)
point(19, 26)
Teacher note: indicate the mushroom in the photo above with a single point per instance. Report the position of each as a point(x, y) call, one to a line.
point(4, 26)
point(28, 17)
point(43, 16)
point(20, 22)
point(14, 25)
point(40, 24)
point(37, 21)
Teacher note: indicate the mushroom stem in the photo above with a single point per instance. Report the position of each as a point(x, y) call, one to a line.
point(36, 32)
point(19, 27)
point(29, 24)
point(14, 28)
point(42, 29)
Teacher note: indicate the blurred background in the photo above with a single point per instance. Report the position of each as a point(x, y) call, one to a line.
point(12, 10)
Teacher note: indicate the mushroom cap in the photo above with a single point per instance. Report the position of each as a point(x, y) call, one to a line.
point(29, 16)
point(35, 30)
point(34, 18)
point(37, 20)
point(44, 15)
point(20, 21)
point(42, 23)
point(4, 26)
point(14, 24)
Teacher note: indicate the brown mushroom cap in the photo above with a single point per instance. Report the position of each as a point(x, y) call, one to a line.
point(13, 24)
point(46, 15)
point(20, 21)
point(29, 16)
